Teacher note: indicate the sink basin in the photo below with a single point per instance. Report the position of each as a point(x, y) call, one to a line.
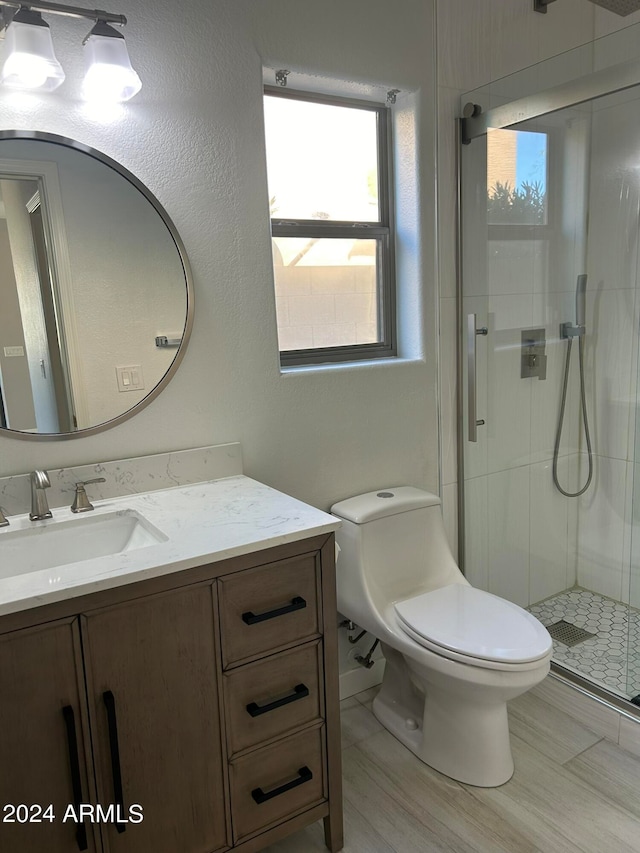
point(45, 545)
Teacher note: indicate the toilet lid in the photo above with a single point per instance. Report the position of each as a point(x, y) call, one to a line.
point(474, 623)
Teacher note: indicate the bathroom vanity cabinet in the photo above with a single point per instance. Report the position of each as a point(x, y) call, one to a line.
point(205, 701)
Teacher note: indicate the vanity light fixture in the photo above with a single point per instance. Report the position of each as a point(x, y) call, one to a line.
point(30, 62)
point(109, 76)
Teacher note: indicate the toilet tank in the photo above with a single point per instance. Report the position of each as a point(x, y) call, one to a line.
point(392, 546)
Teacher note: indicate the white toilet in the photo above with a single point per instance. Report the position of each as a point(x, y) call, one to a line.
point(454, 654)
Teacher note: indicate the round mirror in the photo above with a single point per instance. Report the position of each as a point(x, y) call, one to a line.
point(96, 298)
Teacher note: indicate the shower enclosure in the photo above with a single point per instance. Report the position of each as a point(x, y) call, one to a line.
point(550, 265)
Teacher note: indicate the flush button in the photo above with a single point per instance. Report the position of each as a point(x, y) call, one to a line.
point(385, 495)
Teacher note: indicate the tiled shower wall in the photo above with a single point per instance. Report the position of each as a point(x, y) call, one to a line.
point(516, 505)
point(605, 517)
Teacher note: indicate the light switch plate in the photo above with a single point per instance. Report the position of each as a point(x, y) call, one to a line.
point(12, 352)
point(130, 378)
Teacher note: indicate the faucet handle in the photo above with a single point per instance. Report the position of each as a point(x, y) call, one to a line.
point(81, 502)
point(4, 521)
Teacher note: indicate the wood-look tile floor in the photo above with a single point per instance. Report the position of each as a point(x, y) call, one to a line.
point(572, 792)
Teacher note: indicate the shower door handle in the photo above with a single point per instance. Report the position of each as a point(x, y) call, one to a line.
point(472, 333)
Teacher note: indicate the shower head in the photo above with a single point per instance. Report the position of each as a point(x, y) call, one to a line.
point(581, 294)
point(577, 330)
point(620, 7)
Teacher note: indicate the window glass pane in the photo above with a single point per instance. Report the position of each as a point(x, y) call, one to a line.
point(516, 177)
point(322, 161)
point(326, 292)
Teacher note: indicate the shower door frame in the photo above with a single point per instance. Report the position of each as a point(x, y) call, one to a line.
point(598, 84)
point(473, 125)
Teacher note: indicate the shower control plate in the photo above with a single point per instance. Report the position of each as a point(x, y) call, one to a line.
point(533, 361)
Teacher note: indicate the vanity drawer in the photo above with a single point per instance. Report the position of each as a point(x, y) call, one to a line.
point(274, 783)
point(266, 699)
point(269, 608)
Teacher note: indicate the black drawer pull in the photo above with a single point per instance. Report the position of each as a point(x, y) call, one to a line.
point(74, 765)
point(300, 691)
point(304, 775)
point(297, 603)
point(112, 723)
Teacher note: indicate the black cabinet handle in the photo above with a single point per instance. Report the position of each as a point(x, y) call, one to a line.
point(74, 764)
point(300, 691)
point(110, 704)
point(297, 603)
point(304, 775)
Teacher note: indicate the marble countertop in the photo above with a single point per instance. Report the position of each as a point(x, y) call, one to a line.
point(200, 523)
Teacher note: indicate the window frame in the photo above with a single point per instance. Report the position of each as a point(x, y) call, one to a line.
point(382, 231)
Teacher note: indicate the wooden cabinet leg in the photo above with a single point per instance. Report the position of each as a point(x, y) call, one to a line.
point(333, 834)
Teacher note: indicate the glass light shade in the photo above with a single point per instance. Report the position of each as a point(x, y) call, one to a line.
point(30, 61)
point(109, 75)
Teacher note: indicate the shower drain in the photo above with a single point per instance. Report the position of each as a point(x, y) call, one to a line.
point(568, 634)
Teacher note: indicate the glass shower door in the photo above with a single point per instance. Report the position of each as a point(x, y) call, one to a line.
point(545, 203)
point(632, 534)
point(523, 248)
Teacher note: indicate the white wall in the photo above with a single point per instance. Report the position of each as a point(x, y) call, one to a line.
point(194, 137)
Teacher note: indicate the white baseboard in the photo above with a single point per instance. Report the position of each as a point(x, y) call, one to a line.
point(356, 680)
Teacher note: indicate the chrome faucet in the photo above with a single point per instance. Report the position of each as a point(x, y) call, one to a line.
point(39, 504)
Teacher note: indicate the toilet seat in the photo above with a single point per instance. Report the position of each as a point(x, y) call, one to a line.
point(464, 623)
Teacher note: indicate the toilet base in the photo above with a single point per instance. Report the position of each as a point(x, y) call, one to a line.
point(459, 728)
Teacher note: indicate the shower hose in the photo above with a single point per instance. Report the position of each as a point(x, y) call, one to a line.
point(585, 420)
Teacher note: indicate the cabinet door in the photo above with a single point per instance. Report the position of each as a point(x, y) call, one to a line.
point(153, 701)
point(43, 743)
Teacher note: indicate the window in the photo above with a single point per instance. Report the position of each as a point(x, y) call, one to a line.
point(329, 174)
point(521, 223)
point(517, 177)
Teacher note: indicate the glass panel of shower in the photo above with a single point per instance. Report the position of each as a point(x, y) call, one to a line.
point(548, 309)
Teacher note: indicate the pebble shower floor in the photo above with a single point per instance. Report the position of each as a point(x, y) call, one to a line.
point(611, 658)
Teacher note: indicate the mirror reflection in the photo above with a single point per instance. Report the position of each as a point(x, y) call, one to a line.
point(95, 295)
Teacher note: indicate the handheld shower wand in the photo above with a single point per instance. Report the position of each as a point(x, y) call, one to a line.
point(581, 294)
point(569, 331)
